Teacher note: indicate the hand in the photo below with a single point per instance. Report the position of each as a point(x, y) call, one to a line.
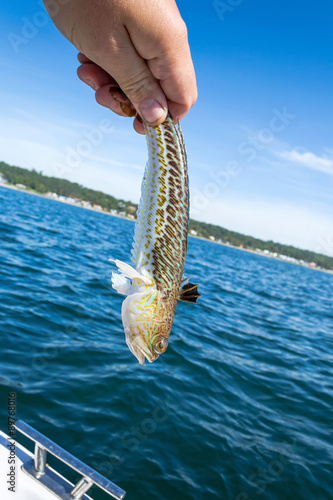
point(138, 45)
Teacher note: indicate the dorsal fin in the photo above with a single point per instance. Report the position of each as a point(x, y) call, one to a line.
point(189, 293)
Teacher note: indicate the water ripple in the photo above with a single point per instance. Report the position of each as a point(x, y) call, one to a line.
point(238, 408)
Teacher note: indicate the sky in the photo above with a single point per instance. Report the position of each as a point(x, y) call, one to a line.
point(259, 139)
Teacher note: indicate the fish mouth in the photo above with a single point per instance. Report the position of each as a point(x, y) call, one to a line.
point(141, 351)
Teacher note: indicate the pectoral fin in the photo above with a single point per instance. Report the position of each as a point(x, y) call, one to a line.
point(121, 283)
point(188, 292)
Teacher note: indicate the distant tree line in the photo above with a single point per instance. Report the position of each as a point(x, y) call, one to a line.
point(40, 183)
point(248, 242)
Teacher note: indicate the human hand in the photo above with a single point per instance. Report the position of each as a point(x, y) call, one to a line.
point(139, 46)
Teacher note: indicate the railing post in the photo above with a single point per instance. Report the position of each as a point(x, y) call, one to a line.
point(81, 488)
point(40, 459)
point(38, 469)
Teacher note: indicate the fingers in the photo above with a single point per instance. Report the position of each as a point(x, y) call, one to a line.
point(82, 58)
point(137, 83)
point(139, 46)
point(94, 76)
point(138, 126)
point(105, 98)
point(136, 80)
point(103, 84)
point(100, 81)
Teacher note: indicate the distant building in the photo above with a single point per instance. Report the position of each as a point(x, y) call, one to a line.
point(3, 179)
point(21, 186)
point(212, 238)
point(97, 207)
point(193, 232)
point(51, 195)
point(312, 264)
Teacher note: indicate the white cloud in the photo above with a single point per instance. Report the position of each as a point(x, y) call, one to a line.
point(310, 160)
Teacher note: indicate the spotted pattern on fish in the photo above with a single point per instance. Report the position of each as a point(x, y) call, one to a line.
point(159, 247)
point(160, 241)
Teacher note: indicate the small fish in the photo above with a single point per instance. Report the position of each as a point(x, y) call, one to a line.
point(156, 282)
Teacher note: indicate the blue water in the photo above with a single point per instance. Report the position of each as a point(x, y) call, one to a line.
point(240, 405)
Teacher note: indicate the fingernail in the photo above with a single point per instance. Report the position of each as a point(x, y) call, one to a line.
point(151, 111)
point(91, 84)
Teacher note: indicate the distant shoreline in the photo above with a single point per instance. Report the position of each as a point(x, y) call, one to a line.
point(28, 191)
point(41, 195)
point(261, 254)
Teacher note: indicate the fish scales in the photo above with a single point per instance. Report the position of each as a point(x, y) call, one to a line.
point(160, 241)
point(155, 283)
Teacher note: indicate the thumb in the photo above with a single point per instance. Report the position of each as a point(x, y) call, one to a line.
point(135, 79)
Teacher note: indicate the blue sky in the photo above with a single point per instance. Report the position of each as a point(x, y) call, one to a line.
point(259, 139)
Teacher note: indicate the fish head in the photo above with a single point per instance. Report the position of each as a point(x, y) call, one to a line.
point(145, 323)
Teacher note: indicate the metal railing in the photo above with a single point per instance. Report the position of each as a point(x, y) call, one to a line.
point(54, 482)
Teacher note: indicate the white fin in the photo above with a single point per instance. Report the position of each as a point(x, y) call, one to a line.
point(128, 271)
point(121, 284)
point(141, 214)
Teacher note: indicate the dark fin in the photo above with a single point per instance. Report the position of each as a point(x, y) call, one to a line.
point(189, 293)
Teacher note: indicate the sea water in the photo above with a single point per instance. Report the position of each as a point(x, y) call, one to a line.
point(240, 405)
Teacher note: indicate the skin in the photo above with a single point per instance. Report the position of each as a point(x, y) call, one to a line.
point(138, 46)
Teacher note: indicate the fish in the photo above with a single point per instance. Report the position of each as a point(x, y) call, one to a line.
point(155, 282)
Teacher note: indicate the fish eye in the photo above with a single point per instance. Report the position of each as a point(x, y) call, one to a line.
point(160, 345)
